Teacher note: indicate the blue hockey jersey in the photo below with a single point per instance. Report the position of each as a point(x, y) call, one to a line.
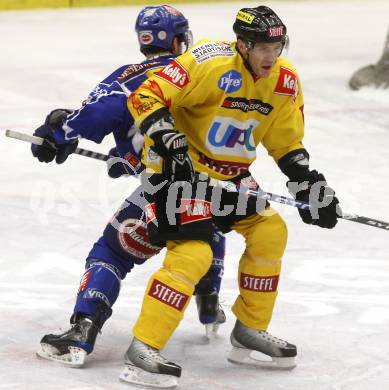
point(105, 109)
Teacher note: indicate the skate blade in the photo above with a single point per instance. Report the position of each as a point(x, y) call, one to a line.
point(211, 330)
point(75, 358)
point(137, 376)
point(257, 359)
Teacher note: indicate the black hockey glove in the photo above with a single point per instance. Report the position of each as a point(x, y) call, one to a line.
point(115, 167)
point(50, 149)
point(173, 148)
point(321, 198)
point(118, 166)
point(310, 187)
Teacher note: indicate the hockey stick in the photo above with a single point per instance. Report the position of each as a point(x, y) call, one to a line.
point(227, 185)
point(39, 141)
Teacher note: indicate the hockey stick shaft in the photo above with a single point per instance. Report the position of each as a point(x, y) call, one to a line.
point(39, 141)
point(229, 186)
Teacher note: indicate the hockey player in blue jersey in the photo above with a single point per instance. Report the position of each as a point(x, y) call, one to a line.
point(163, 33)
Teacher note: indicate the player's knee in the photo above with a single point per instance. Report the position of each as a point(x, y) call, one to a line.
point(268, 240)
point(204, 256)
point(190, 258)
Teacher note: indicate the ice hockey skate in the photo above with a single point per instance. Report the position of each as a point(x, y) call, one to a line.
point(210, 313)
point(72, 346)
point(259, 348)
point(145, 366)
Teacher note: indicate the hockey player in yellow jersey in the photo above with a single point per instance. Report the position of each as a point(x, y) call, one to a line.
point(205, 113)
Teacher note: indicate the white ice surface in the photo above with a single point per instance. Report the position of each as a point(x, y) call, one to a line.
point(334, 291)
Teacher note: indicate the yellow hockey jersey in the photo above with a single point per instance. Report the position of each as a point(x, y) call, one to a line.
point(223, 110)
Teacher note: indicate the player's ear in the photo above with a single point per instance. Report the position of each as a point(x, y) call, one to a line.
point(242, 47)
point(176, 46)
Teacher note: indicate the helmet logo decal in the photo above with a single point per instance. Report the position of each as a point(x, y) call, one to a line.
point(275, 31)
point(145, 37)
point(245, 17)
point(162, 35)
point(230, 81)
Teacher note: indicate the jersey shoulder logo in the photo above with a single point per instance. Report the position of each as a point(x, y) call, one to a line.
point(287, 83)
point(133, 70)
point(209, 50)
point(175, 74)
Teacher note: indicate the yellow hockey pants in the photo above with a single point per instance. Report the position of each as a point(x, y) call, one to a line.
point(171, 287)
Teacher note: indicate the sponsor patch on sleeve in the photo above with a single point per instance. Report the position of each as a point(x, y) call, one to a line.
point(287, 83)
point(142, 104)
point(175, 74)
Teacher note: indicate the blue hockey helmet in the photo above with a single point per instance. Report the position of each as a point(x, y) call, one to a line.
point(157, 26)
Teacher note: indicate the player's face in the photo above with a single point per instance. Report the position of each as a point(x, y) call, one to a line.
point(263, 56)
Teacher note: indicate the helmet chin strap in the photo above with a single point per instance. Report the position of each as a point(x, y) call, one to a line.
point(246, 63)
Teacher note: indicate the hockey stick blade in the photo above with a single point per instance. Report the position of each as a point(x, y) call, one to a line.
point(366, 221)
point(32, 139)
